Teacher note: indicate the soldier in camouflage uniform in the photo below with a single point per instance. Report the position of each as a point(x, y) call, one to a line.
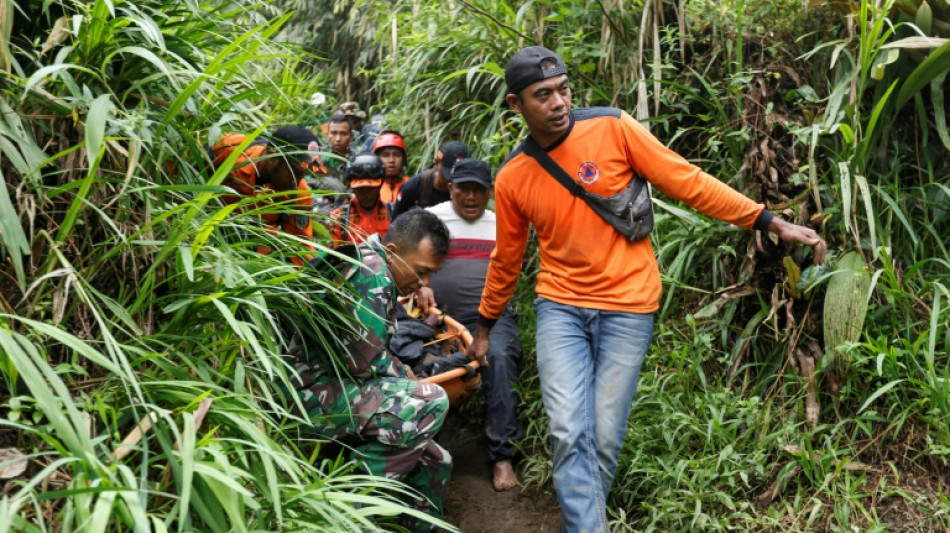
point(339, 133)
point(374, 404)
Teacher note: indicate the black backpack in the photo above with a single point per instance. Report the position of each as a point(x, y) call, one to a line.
point(428, 183)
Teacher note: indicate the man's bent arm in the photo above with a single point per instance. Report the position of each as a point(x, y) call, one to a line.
point(681, 180)
point(368, 354)
point(505, 265)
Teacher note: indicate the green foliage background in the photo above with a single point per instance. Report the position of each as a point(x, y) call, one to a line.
point(833, 115)
point(130, 293)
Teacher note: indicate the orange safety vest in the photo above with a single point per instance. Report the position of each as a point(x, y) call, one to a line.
point(350, 224)
point(389, 192)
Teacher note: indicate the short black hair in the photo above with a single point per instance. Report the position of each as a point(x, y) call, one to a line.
point(341, 119)
point(413, 226)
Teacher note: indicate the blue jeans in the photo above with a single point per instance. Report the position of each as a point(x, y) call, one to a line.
point(589, 363)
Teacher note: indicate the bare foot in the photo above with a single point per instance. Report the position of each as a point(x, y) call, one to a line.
point(505, 478)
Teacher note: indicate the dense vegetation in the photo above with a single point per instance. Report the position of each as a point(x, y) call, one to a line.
point(141, 335)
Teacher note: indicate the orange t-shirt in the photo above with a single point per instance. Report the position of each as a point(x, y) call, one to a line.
point(358, 223)
point(585, 262)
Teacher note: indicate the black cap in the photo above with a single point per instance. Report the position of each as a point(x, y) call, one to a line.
point(451, 152)
point(297, 142)
point(471, 170)
point(532, 64)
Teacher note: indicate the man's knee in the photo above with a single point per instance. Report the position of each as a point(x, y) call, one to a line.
point(431, 404)
point(432, 395)
point(440, 407)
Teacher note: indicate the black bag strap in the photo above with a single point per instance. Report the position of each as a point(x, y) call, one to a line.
point(428, 182)
point(632, 224)
point(532, 149)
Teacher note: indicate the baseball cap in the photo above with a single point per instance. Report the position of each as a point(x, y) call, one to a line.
point(471, 170)
point(450, 153)
point(297, 142)
point(532, 64)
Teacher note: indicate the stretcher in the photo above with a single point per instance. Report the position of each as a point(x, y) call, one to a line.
point(459, 382)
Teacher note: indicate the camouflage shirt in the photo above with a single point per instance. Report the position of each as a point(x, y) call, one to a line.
point(368, 353)
point(336, 165)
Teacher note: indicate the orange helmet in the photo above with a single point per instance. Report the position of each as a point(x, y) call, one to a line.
point(388, 139)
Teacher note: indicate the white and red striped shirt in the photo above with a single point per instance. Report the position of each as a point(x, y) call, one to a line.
point(458, 286)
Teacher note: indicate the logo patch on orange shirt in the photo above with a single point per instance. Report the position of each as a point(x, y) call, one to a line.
point(588, 173)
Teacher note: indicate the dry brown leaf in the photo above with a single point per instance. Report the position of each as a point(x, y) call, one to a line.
point(12, 463)
point(806, 360)
point(135, 436)
point(202, 411)
point(59, 33)
point(766, 498)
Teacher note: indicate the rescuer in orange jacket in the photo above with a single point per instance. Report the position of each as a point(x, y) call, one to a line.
point(274, 163)
point(365, 213)
point(391, 149)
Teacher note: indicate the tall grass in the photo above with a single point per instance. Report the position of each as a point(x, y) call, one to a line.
point(143, 340)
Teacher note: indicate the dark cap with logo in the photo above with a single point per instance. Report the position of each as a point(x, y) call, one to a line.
point(532, 64)
point(450, 153)
point(471, 170)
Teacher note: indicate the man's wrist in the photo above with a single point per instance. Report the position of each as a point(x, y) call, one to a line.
point(486, 322)
point(763, 221)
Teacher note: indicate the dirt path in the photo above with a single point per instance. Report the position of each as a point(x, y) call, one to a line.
point(473, 505)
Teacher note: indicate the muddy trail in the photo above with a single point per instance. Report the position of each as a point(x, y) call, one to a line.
point(473, 505)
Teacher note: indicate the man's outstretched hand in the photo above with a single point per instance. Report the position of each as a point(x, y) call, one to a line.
point(789, 232)
point(478, 351)
point(425, 300)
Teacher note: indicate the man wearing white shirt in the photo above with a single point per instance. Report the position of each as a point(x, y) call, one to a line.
point(458, 289)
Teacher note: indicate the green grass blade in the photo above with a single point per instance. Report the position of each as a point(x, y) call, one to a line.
point(187, 455)
point(51, 394)
point(899, 213)
point(940, 109)
point(865, 191)
point(12, 238)
point(937, 63)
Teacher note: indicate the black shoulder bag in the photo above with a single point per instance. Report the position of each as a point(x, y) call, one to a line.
point(630, 211)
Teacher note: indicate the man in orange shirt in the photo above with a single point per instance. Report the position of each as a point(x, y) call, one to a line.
point(391, 149)
point(365, 213)
point(276, 163)
point(597, 291)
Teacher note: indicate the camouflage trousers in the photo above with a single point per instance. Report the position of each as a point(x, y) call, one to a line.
point(390, 424)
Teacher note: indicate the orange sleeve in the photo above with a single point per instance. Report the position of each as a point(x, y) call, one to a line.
point(505, 265)
point(681, 180)
point(299, 221)
point(335, 229)
point(389, 192)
